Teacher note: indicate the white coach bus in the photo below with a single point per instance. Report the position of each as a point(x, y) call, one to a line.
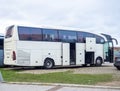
point(32, 46)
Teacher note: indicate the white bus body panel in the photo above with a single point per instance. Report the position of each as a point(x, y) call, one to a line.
point(80, 53)
point(90, 44)
point(66, 53)
point(23, 57)
point(37, 52)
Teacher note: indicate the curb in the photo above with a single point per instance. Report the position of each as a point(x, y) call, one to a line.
point(64, 85)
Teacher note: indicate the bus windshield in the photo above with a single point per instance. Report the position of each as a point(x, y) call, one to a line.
point(109, 48)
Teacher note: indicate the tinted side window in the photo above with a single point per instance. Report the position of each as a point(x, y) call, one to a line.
point(89, 34)
point(99, 39)
point(50, 35)
point(36, 34)
point(28, 33)
point(81, 37)
point(67, 36)
point(9, 32)
point(24, 33)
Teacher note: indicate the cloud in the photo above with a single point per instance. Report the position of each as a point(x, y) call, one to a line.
point(93, 15)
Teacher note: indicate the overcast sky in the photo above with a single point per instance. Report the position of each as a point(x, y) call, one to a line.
point(99, 16)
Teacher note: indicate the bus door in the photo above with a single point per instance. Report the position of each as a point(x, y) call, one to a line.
point(90, 50)
point(72, 53)
point(106, 53)
point(65, 54)
point(69, 53)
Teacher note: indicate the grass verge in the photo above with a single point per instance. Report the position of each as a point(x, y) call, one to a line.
point(57, 77)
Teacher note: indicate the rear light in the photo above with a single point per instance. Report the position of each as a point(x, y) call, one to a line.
point(14, 55)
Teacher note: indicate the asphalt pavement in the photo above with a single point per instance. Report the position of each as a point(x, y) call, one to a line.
point(43, 87)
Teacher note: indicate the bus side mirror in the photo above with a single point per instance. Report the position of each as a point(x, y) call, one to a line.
point(115, 41)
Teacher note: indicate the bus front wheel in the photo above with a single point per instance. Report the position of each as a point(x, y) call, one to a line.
point(49, 63)
point(98, 61)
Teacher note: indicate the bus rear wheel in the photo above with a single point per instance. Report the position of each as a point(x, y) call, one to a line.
point(49, 63)
point(98, 61)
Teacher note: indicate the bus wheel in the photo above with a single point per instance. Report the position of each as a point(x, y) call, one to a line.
point(98, 61)
point(49, 63)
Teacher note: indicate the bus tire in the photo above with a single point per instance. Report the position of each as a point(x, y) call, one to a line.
point(48, 63)
point(98, 61)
